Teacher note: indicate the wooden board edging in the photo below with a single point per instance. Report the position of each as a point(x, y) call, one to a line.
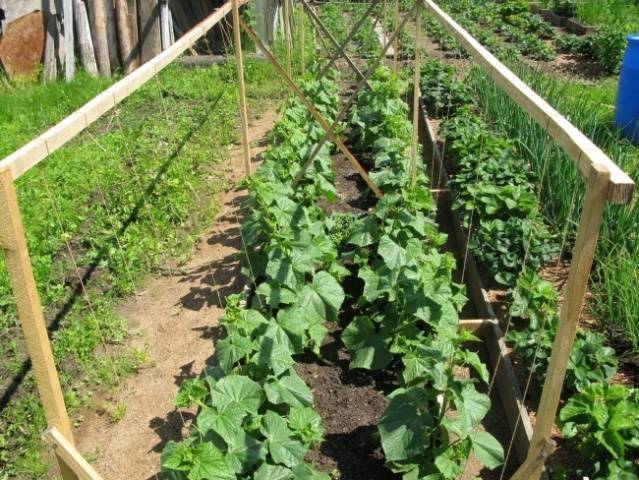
point(581, 150)
point(28, 156)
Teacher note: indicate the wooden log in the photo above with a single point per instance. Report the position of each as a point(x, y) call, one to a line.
point(97, 20)
point(150, 41)
point(574, 293)
point(112, 36)
point(581, 150)
point(50, 71)
point(246, 146)
point(83, 33)
point(59, 43)
point(125, 37)
point(171, 28)
point(134, 28)
point(165, 16)
point(65, 450)
point(16, 255)
point(69, 42)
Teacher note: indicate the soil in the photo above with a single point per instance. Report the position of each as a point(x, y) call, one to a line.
point(175, 320)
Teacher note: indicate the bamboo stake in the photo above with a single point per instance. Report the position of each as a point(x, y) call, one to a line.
point(99, 35)
point(240, 78)
point(287, 34)
point(315, 114)
point(416, 94)
point(84, 38)
point(575, 291)
point(65, 450)
point(69, 43)
point(18, 264)
point(124, 36)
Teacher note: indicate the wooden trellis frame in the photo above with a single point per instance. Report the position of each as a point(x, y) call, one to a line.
point(605, 182)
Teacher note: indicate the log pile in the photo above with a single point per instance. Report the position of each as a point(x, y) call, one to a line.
point(103, 36)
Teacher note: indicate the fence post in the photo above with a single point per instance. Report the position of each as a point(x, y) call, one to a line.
point(240, 78)
point(16, 255)
point(598, 183)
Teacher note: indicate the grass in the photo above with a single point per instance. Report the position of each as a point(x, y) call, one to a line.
point(616, 13)
point(615, 277)
point(121, 199)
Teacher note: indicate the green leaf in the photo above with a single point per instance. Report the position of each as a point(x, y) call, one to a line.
point(202, 461)
point(283, 448)
point(295, 324)
point(275, 350)
point(363, 232)
point(237, 390)
point(307, 423)
point(232, 349)
point(274, 295)
point(404, 429)
point(305, 472)
point(394, 256)
point(487, 449)
point(244, 452)
point(472, 406)
point(472, 359)
point(369, 349)
point(323, 297)
point(377, 283)
point(273, 472)
point(280, 270)
point(227, 422)
point(289, 389)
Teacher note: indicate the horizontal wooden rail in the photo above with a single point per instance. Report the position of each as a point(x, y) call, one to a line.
point(68, 453)
point(582, 151)
point(57, 136)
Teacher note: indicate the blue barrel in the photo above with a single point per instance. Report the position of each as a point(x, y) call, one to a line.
point(627, 115)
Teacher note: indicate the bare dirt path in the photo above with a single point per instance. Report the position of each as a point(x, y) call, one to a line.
point(175, 318)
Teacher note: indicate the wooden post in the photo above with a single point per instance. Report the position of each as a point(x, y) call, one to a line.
point(16, 255)
point(574, 293)
point(287, 34)
point(302, 42)
point(50, 71)
point(124, 35)
point(69, 50)
point(112, 36)
point(149, 30)
point(134, 28)
point(65, 450)
point(99, 35)
point(396, 45)
point(165, 18)
point(416, 94)
point(84, 38)
point(240, 78)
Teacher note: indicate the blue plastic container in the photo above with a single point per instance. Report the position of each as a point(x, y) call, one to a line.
point(627, 114)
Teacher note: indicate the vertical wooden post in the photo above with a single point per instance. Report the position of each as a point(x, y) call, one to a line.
point(583, 255)
point(69, 49)
point(112, 36)
point(124, 36)
point(83, 31)
point(416, 80)
point(50, 70)
point(97, 20)
point(240, 79)
point(302, 42)
point(396, 45)
point(287, 34)
point(149, 30)
point(16, 255)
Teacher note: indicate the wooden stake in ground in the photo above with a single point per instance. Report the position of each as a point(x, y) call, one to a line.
point(240, 78)
point(69, 48)
point(396, 46)
point(302, 42)
point(99, 36)
point(124, 36)
point(18, 264)
point(416, 80)
point(150, 42)
point(112, 36)
point(287, 35)
point(84, 38)
point(50, 70)
point(574, 294)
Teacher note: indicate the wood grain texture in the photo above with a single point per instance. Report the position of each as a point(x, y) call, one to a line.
point(68, 453)
point(581, 150)
point(83, 34)
point(69, 42)
point(237, 41)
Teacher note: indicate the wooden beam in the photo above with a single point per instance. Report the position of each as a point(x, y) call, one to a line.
point(50, 62)
point(66, 451)
point(83, 31)
point(69, 43)
point(313, 111)
point(246, 146)
point(23, 285)
point(149, 17)
point(97, 19)
point(112, 36)
point(125, 36)
point(581, 150)
point(57, 136)
point(583, 254)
